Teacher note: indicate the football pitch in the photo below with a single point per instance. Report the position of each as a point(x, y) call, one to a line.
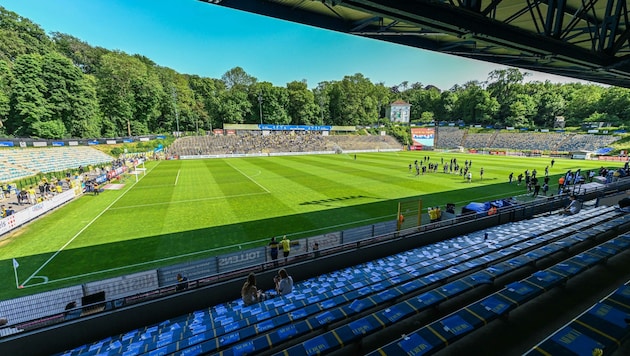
point(192, 209)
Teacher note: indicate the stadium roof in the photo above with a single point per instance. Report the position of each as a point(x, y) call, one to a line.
point(583, 39)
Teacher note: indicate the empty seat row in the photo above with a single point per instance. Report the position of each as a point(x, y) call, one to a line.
point(441, 333)
point(320, 300)
point(604, 326)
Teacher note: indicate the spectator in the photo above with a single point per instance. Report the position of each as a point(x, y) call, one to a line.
point(182, 282)
point(71, 311)
point(249, 292)
point(316, 250)
point(573, 207)
point(3, 321)
point(284, 282)
point(273, 251)
point(286, 247)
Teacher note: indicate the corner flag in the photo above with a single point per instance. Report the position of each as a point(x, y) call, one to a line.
point(15, 263)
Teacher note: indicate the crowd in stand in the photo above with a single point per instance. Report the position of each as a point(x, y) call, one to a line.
point(278, 141)
point(451, 137)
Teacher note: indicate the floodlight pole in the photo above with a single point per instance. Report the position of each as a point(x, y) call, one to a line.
point(176, 112)
point(260, 100)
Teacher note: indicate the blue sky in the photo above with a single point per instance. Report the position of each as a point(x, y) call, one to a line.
point(193, 37)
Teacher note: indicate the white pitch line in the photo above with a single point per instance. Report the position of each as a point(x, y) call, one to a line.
point(83, 229)
point(146, 263)
point(188, 201)
point(246, 176)
point(177, 178)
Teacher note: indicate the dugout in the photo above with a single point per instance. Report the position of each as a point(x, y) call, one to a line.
point(487, 208)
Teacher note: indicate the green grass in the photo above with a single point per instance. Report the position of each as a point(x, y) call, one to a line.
point(184, 210)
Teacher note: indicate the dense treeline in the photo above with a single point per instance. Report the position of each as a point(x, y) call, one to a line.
point(59, 86)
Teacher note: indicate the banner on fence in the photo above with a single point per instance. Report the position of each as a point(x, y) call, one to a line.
point(119, 287)
point(21, 217)
point(423, 136)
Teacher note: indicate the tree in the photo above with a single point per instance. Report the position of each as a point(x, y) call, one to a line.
point(615, 102)
point(549, 101)
point(207, 93)
point(582, 103)
point(382, 95)
point(446, 105)
point(273, 105)
point(301, 104)
point(5, 93)
point(19, 36)
point(520, 111)
point(423, 100)
point(84, 56)
point(503, 85)
point(475, 105)
point(234, 106)
point(426, 117)
point(348, 103)
point(322, 99)
point(28, 105)
point(128, 91)
point(87, 118)
point(237, 78)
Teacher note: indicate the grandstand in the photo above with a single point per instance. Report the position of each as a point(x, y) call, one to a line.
point(279, 142)
point(452, 281)
point(16, 163)
point(451, 137)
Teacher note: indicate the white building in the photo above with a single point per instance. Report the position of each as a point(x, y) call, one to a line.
point(399, 111)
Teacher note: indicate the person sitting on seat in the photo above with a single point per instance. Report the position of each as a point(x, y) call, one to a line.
point(573, 207)
point(249, 292)
point(284, 282)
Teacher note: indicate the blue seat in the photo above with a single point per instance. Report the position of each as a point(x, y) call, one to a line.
point(567, 268)
point(520, 292)
point(546, 279)
point(568, 341)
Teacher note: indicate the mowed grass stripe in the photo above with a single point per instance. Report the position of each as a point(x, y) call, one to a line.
point(312, 188)
point(307, 183)
point(392, 181)
point(307, 193)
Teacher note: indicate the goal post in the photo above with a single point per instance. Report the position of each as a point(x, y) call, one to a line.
point(409, 214)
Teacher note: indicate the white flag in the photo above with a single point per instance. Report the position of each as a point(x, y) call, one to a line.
point(15, 263)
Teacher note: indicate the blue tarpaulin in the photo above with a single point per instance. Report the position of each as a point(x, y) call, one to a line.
point(604, 150)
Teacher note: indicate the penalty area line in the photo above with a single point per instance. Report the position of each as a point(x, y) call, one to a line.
point(177, 178)
point(246, 176)
point(81, 231)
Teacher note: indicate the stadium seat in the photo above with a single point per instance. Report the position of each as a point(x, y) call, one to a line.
point(604, 326)
point(319, 301)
